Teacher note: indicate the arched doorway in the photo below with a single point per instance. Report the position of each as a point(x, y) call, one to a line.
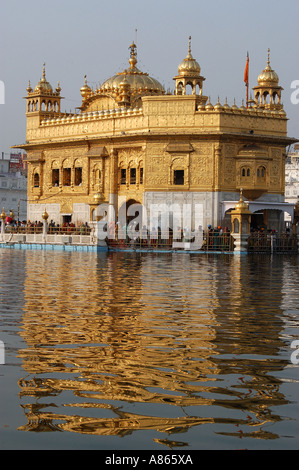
point(129, 220)
point(257, 220)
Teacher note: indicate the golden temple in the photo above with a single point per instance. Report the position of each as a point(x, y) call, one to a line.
point(130, 141)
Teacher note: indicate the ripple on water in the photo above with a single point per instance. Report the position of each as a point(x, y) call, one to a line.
point(120, 343)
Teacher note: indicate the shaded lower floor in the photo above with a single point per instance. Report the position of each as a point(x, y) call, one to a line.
point(168, 209)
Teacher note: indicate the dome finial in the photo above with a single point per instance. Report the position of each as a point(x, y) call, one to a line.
point(29, 89)
point(133, 55)
point(43, 85)
point(85, 89)
point(189, 50)
point(268, 61)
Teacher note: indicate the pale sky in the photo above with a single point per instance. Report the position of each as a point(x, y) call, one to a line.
point(76, 37)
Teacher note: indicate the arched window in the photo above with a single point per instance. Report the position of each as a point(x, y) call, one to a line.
point(258, 98)
point(78, 176)
point(189, 88)
point(178, 177)
point(261, 172)
point(266, 97)
point(55, 177)
point(66, 177)
point(236, 226)
point(180, 88)
point(123, 176)
point(36, 180)
point(132, 175)
point(245, 172)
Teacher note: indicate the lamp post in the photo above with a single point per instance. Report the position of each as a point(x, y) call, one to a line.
point(240, 219)
point(98, 199)
point(45, 216)
point(3, 217)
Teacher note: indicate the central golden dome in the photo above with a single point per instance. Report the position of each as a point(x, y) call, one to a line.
point(140, 82)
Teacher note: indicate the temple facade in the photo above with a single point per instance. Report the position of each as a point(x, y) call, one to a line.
point(130, 142)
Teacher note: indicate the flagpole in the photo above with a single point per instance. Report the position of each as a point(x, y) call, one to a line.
point(247, 83)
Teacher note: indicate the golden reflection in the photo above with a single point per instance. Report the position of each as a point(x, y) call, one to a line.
point(120, 342)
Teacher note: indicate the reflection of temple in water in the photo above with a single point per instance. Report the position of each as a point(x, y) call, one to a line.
point(290, 282)
point(118, 329)
point(106, 342)
point(251, 322)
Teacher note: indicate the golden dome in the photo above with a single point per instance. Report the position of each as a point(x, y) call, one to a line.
point(98, 198)
point(29, 89)
point(45, 215)
point(85, 89)
point(218, 106)
point(189, 66)
point(241, 205)
point(43, 85)
point(58, 89)
point(268, 75)
point(140, 82)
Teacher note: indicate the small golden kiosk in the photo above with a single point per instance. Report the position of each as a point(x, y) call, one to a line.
point(240, 220)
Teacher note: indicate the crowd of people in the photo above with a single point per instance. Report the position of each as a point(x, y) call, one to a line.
point(69, 228)
point(26, 226)
point(211, 239)
point(263, 239)
point(214, 238)
point(218, 238)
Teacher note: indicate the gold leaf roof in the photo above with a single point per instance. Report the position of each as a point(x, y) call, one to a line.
point(140, 82)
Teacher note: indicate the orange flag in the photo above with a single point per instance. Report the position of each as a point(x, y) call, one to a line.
point(246, 73)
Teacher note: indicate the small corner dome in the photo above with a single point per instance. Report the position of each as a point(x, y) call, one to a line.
point(268, 75)
point(189, 65)
point(43, 85)
point(85, 89)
